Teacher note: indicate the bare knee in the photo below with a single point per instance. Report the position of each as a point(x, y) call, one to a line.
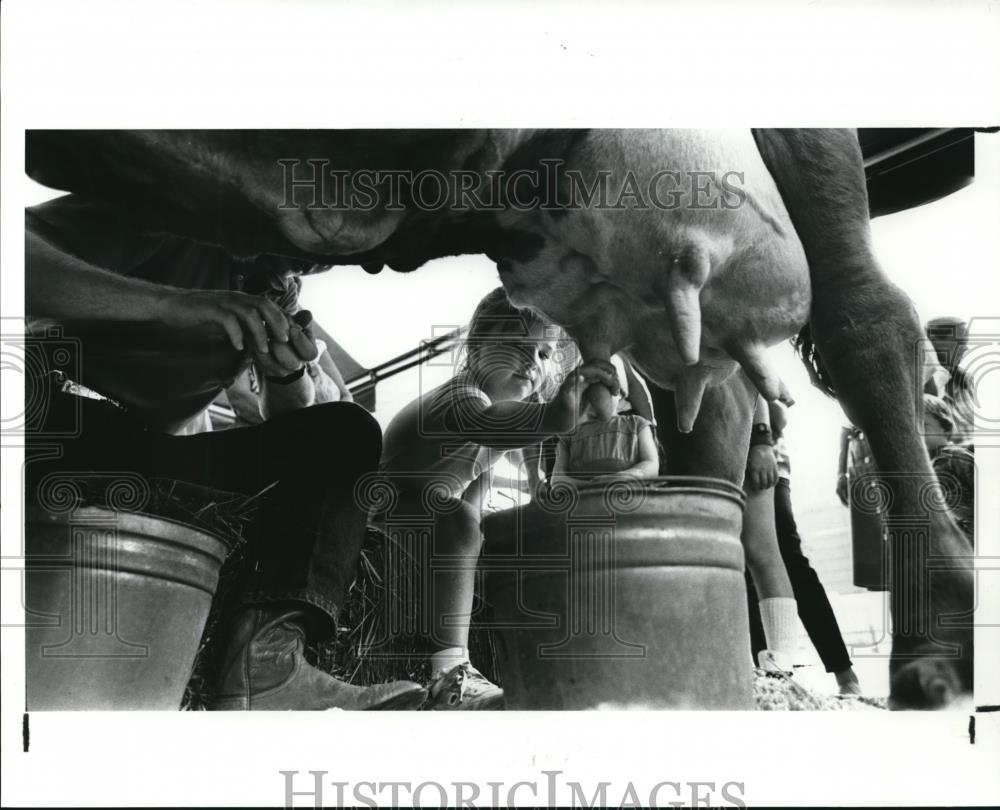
point(457, 530)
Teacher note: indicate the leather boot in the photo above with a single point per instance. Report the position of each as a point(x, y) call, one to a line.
point(264, 669)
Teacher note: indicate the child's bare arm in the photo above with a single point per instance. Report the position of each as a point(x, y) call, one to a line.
point(510, 424)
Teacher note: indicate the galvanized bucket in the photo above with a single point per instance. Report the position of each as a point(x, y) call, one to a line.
point(622, 595)
point(115, 608)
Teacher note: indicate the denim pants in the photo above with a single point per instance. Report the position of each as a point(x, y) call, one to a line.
point(305, 539)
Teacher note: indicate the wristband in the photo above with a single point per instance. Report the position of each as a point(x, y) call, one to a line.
point(761, 434)
point(288, 379)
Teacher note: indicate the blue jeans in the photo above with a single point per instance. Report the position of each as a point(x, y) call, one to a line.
point(305, 538)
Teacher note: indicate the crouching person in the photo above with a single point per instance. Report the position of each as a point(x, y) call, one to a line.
point(440, 450)
point(158, 354)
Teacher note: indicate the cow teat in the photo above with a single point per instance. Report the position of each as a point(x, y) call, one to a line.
point(680, 290)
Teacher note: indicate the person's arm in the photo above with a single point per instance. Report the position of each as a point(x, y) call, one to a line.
point(648, 465)
point(326, 388)
point(778, 414)
point(512, 424)
point(842, 482)
point(61, 287)
point(284, 379)
point(762, 466)
point(330, 368)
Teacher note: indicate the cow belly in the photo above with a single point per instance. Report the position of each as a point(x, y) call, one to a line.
point(689, 290)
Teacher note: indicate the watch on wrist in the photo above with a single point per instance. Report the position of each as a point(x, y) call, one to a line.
point(288, 378)
point(760, 433)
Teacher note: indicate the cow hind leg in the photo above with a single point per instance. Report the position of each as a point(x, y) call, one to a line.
point(867, 333)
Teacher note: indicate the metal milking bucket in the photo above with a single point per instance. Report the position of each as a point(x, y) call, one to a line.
point(115, 607)
point(629, 594)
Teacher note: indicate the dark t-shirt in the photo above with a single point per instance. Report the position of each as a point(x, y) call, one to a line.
point(163, 377)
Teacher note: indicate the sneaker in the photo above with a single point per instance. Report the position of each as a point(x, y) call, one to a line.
point(464, 687)
point(771, 661)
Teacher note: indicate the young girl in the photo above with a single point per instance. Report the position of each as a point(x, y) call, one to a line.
point(439, 452)
point(607, 443)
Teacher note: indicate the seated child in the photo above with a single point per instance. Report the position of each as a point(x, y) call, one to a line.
point(439, 452)
point(607, 443)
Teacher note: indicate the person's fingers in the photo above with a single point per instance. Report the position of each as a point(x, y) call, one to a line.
point(605, 376)
point(602, 372)
point(280, 360)
point(302, 344)
point(253, 326)
point(276, 320)
point(231, 324)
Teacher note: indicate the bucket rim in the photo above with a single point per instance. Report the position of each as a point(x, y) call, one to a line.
point(36, 513)
point(675, 484)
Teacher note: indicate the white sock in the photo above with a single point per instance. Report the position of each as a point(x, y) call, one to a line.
point(780, 617)
point(447, 659)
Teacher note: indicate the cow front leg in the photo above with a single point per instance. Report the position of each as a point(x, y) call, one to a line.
point(867, 333)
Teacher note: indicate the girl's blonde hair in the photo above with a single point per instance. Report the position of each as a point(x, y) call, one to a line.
point(496, 318)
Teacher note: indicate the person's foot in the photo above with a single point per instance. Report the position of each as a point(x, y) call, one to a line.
point(847, 682)
point(772, 661)
point(264, 669)
point(464, 688)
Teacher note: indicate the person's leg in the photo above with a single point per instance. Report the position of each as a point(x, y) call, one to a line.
point(456, 546)
point(439, 540)
point(303, 545)
point(758, 642)
point(814, 607)
point(304, 553)
point(304, 466)
point(760, 541)
point(777, 603)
